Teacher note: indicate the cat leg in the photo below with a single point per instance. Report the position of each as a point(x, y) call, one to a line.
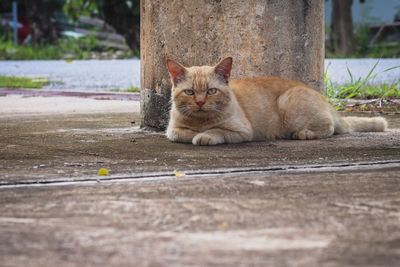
point(220, 136)
point(305, 114)
point(312, 125)
point(183, 135)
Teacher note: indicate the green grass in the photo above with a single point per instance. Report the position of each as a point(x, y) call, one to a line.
point(132, 89)
point(64, 48)
point(361, 88)
point(379, 50)
point(22, 82)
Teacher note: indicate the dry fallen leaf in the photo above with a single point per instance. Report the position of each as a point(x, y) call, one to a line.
point(103, 172)
point(179, 173)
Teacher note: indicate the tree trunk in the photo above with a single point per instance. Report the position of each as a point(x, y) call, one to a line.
point(342, 37)
point(275, 37)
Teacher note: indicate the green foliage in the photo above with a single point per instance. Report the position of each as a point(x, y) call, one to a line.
point(381, 49)
point(80, 48)
point(362, 88)
point(10, 52)
point(383, 91)
point(22, 82)
point(384, 50)
point(132, 89)
point(64, 48)
point(354, 90)
point(361, 37)
point(76, 8)
point(122, 15)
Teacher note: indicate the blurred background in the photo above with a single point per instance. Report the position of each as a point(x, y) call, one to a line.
point(109, 29)
point(69, 29)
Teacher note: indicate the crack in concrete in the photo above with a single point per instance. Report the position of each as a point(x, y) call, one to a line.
point(153, 176)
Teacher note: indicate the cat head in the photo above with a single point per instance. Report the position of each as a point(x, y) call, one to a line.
point(200, 91)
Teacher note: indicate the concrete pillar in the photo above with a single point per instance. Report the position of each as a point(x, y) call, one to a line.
point(275, 37)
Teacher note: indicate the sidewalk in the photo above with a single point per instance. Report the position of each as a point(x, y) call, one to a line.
point(332, 202)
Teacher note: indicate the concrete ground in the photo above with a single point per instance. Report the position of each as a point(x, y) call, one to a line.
point(333, 202)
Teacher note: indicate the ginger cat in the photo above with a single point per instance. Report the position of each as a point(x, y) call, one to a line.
point(209, 109)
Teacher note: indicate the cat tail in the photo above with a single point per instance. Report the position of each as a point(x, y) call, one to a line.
point(359, 124)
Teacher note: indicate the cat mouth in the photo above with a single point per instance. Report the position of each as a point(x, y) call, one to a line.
point(200, 112)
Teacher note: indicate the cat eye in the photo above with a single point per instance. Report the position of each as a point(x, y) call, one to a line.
point(211, 91)
point(188, 92)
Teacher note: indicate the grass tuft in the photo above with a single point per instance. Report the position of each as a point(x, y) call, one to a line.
point(65, 48)
point(132, 89)
point(22, 82)
point(362, 88)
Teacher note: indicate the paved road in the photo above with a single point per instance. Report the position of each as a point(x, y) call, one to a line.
point(104, 75)
point(79, 75)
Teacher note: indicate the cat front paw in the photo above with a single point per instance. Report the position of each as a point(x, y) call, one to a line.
point(180, 135)
point(205, 139)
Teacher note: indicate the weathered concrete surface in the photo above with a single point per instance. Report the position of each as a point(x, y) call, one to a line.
point(279, 38)
point(320, 217)
point(33, 148)
point(21, 102)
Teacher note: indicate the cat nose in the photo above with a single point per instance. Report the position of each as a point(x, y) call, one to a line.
point(200, 103)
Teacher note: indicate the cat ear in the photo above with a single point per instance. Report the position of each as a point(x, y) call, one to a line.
point(176, 71)
point(224, 68)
